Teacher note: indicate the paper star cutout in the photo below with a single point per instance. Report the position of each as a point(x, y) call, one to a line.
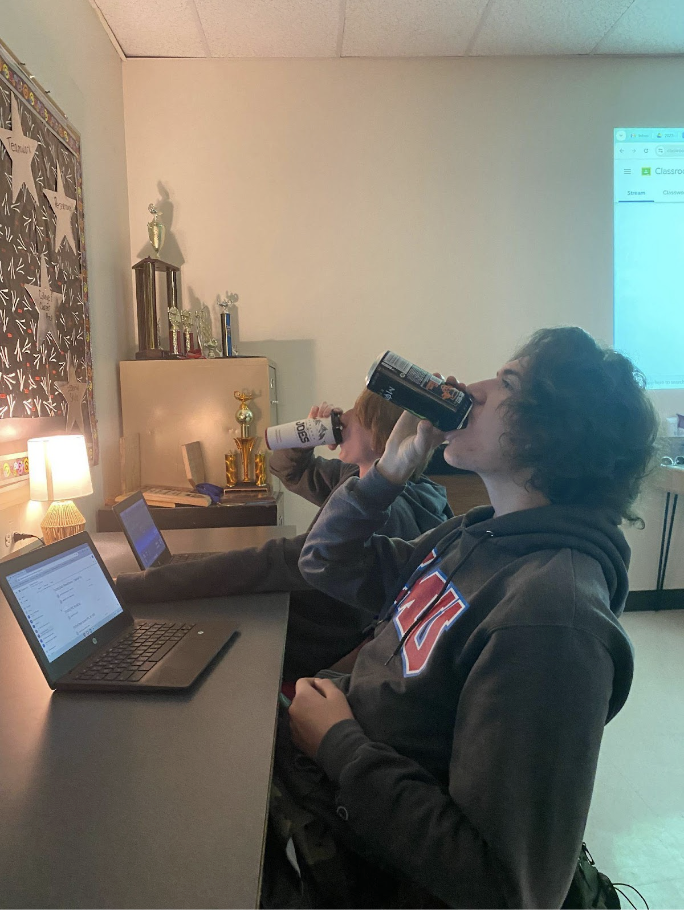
point(64, 207)
point(21, 150)
point(46, 302)
point(74, 393)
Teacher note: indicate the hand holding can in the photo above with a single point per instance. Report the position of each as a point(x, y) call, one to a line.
point(409, 446)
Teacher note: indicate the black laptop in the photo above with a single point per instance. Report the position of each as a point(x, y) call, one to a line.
point(147, 543)
point(83, 638)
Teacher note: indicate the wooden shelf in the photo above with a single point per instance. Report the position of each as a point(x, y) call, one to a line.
point(226, 515)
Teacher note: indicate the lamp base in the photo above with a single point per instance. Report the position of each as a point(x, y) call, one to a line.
point(61, 520)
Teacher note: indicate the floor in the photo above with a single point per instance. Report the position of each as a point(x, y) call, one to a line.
point(635, 830)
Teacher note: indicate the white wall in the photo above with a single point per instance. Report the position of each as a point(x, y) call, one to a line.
point(65, 47)
point(442, 208)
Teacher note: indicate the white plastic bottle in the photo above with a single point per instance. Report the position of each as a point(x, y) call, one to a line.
point(305, 434)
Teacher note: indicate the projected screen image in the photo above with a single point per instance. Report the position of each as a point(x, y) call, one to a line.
point(649, 252)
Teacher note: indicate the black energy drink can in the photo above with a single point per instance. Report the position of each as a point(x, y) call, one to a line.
point(415, 390)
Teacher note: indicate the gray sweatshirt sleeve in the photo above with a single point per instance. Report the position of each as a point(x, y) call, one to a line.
point(306, 474)
point(270, 567)
point(506, 832)
point(345, 556)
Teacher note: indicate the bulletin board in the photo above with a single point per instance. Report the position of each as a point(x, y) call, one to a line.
point(46, 375)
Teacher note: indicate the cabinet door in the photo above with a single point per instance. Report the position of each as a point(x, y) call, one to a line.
point(169, 403)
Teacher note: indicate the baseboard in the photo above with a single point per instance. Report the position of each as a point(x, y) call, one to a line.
point(670, 599)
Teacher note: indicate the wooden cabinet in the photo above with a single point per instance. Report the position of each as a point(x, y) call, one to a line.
point(173, 402)
point(464, 490)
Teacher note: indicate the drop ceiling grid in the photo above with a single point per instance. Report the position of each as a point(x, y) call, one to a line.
point(648, 27)
point(279, 28)
point(154, 28)
point(535, 27)
point(410, 28)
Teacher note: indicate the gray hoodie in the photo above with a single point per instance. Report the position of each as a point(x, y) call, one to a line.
point(480, 703)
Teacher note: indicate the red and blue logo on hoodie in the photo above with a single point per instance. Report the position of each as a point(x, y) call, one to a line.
point(442, 605)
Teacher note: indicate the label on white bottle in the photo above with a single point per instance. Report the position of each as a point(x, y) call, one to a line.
point(305, 434)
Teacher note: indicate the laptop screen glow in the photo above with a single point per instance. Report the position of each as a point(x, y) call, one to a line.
point(65, 599)
point(143, 533)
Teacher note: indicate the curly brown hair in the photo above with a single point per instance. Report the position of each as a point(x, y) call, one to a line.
point(581, 421)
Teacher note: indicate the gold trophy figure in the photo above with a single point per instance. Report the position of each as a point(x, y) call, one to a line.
point(260, 470)
point(231, 469)
point(155, 230)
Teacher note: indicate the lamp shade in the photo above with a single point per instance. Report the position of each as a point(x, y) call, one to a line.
point(58, 468)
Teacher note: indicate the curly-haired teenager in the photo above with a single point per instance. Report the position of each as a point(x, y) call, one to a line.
point(321, 629)
point(457, 760)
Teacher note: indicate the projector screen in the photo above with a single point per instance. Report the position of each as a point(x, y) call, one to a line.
point(649, 252)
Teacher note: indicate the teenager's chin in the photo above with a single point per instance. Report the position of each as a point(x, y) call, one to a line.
point(451, 456)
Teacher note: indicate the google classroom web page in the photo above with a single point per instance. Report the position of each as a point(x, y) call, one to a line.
point(649, 251)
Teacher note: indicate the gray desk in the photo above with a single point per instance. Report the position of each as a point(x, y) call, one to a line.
point(150, 800)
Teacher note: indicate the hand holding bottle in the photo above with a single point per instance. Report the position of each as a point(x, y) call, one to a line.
point(323, 411)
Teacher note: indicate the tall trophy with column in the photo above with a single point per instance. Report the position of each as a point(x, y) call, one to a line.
point(149, 346)
point(250, 474)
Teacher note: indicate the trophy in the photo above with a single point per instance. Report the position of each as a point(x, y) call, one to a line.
point(208, 345)
point(188, 337)
point(175, 331)
point(146, 292)
point(226, 332)
point(245, 443)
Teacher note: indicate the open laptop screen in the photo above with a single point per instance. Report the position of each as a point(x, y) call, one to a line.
point(142, 532)
point(65, 599)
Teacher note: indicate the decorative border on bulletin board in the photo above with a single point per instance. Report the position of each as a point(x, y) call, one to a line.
point(47, 416)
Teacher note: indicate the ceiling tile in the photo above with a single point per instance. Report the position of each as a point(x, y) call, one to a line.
point(271, 28)
point(648, 27)
point(154, 28)
point(537, 27)
point(410, 28)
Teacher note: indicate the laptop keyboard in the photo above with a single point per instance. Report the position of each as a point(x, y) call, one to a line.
point(136, 653)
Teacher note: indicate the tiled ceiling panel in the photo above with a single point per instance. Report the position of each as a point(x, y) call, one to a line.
point(155, 28)
point(648, 27)
point(271, 28)
point(534, 27)
point(410, 28)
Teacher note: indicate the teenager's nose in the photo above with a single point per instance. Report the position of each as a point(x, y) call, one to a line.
point(478, 391)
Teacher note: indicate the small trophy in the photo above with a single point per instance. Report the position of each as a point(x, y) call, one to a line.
point(226, 331)
point(245, 444)
point(175, 332)
point(208, 345)
point(188, 336)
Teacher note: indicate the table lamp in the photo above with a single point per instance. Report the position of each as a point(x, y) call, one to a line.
point(59, 472)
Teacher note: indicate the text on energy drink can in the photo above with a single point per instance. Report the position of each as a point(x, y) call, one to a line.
point(422, 393)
